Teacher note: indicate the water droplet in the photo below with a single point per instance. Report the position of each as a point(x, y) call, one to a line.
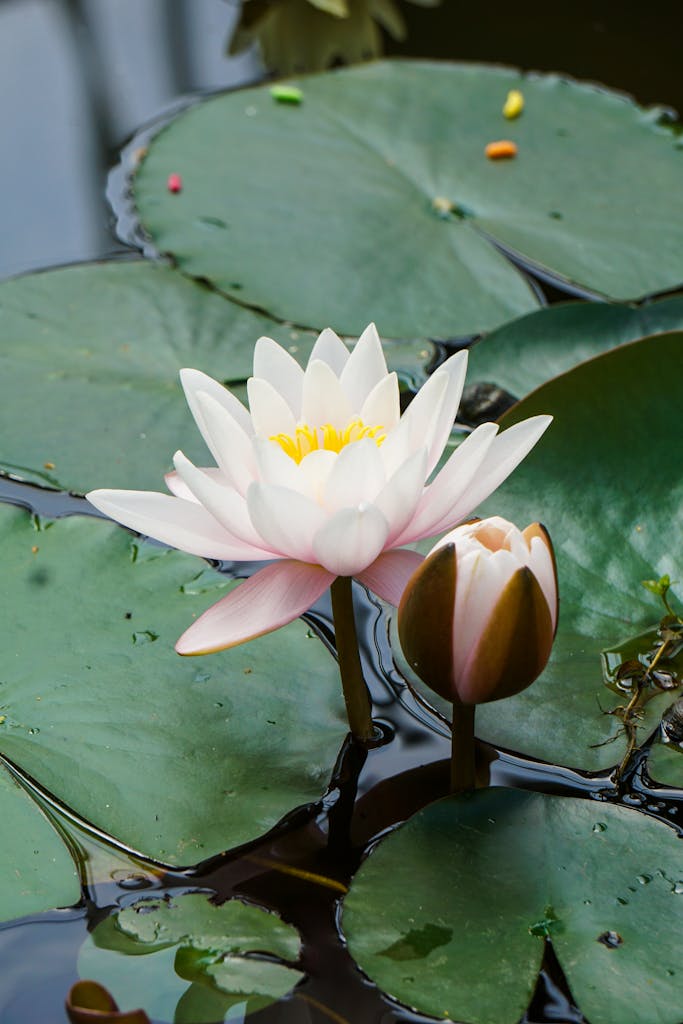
point(599, 826)
point(145, 636)
point(130, 879)
point(644, 879)
point(588, 903)
point(677, 887)
point(622, 901)
point(636, 799)
point(33, 731)
point(610, 939)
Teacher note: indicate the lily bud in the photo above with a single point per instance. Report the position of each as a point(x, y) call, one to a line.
point(478, 617)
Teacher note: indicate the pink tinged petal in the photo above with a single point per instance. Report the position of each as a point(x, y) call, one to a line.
point(271, 598)
point(273, 363)
point(231, 446)
point(389, 573)
point(225, 504)
point(331, 350)
point(365, 368)
point(444, 496)
point(399, 498)
point(181, 524)
point(456, 368)
point(505, 454)
point(382, 406)
point(324, 400)
point(286, 519)
point(351, 540)
point(194, 381)
point(416, 427)
point(269, 411)
point(357, 476)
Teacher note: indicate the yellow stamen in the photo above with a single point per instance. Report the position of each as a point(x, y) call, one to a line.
point(328, 438)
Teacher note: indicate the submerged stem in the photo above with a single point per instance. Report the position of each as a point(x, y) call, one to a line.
point(462, 750)
point(356, 695)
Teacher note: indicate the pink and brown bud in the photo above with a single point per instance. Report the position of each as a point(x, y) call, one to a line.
point(477, 619)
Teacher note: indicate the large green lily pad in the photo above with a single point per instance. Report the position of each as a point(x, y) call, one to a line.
point(220, 950)
point(36, 871)
point(374, 198)
point(90, 358)
point(177, 757)
point(522, 355)
point(449, 913)
point(605, 481)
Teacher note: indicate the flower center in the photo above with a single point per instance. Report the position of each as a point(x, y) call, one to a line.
point(307, 439)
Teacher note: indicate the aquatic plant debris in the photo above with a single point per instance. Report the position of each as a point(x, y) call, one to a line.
point(174, 183)
point(502, 149)
point(514, 105)
point(287, 94)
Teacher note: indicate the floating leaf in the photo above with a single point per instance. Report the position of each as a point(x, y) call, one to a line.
point(604, 483)
point(522, 355)
point(353, 216)
point(177, 757)
point(91, 354)
point(449, 913)
point(36, 871)
point(232, 954)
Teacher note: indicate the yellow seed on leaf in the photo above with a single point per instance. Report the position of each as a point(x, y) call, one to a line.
point(514, 104)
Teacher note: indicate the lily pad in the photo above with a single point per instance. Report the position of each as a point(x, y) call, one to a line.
point(90, 359)
point(232, 954)
point(522, 355)
point(328, 213)
point(604, 482)
point(513, 868)
point(36, 871)
point(179, 758)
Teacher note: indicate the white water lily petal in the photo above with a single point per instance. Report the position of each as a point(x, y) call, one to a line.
point(365, 368)
point(185, 525)
point(357, 476)
point(504, 455)
point(399, 497)
point(382, 407)
point(225, 504)
point(180, 489)
point(274, 466)
point(389, 573)
point(270, 413)
point(541, 564)
point(314, 472)
point(331, 350)
point(417, 425)
point(443, 494)
point(481, 579)
point(194, 381)
point(324, 400)
point(456, 368)
point(351, 540)
point(286, 519)
point(271, 598)
point(232, 447)
point(274, 364)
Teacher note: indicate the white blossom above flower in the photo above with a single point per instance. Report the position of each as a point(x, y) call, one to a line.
point(321, 477)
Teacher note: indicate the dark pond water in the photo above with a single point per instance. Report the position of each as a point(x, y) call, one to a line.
point(79, 77)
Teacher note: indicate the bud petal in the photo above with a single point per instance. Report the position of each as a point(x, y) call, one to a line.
point(478, 617)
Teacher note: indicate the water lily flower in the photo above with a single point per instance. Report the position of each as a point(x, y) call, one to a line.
point(477, 619)
point(321, 477)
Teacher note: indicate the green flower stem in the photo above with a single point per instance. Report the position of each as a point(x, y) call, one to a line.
point(356, 695)
point(462, 751)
